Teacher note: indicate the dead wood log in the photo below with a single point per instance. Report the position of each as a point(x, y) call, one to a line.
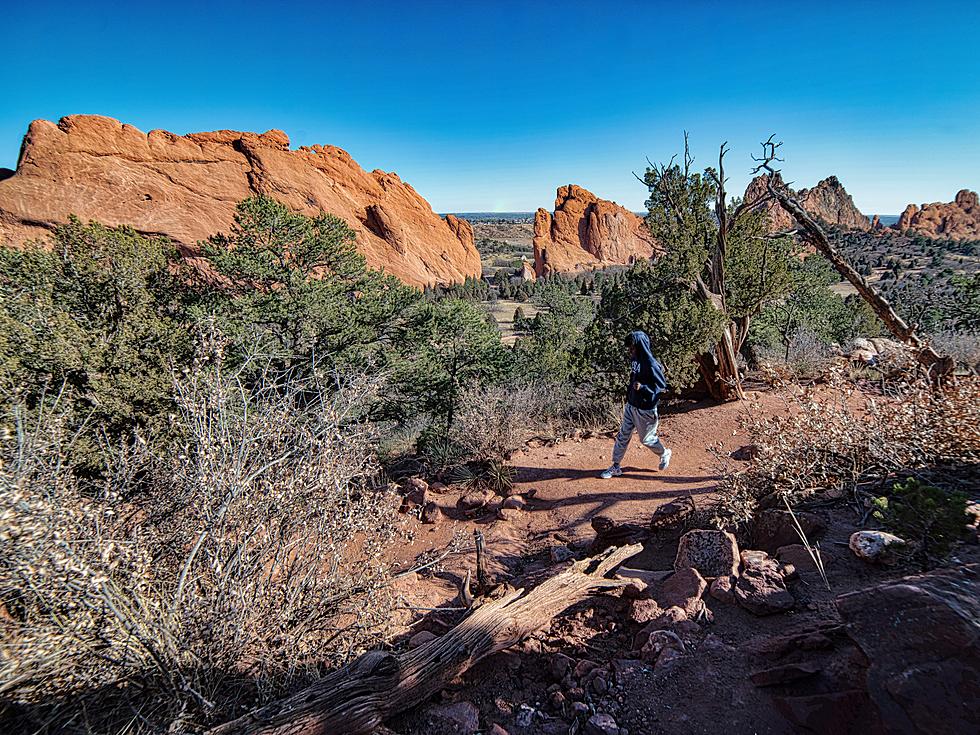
point(357, 698)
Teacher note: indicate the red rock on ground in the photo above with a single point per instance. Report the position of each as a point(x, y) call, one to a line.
point(186, 187)
point(586, 232)
point(922, 637)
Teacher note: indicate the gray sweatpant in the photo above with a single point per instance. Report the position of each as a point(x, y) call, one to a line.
point(645, 423)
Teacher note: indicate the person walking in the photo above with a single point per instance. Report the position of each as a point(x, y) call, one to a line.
point(647, 382)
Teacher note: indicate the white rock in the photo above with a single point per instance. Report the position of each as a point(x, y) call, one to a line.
point(877, 547)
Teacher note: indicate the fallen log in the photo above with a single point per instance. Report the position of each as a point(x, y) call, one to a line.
point(357, 698)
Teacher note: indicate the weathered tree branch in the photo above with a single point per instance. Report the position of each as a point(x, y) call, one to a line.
point(356, 699)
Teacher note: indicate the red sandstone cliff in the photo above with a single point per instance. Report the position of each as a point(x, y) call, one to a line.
point(186, 187)
point(828, 200)
point(958, 220)
point(586, 233)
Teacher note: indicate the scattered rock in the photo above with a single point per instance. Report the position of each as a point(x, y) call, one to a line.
point(746, 453)
point(753, 558)
point(514, 502)
point(876, 547)
point(560, 665)
point(634, 589)
point(760, 589)
point(712, 553)
point(922, 637)
point(672, 513)
point(683, 589)
point(797, 556)
point(723, 589)
point(786, 674)
point(561, 554)
point(525, 716)
point(644, 611)
point(773, 528)
point(583, 667)
point(415, 484)
point(431, 513)
point(654, 642)
point(461, 717)
point(672, 616)
point(438, 488)
point(421, 638)
point(508, 514)
point(474, 502)
point(601, 724)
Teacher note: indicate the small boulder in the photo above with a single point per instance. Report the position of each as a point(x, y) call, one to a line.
point(431, 513)
point(876, 547)
point(474, 502)
point(421, 638)
point(712, 553)
point(514, 502)
point(461, 717)
point(683, 589)
point(644, 611)
point(773, 528)
point(723, 589)
point(761, 590)
point(601, 724)
point(672, 513)
point(561, 554)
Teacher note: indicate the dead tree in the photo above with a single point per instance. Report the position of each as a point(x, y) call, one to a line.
point(356, 699)
point(937, 366)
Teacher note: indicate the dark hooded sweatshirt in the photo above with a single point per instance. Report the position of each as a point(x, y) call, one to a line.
point(646, 373)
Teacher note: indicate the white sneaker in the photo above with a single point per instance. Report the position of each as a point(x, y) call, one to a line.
point(665, 459)
point(613, 471)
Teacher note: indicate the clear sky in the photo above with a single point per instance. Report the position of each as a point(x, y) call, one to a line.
point(489, 106)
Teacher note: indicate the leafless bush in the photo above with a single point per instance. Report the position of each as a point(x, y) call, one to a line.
point(964, 347)
point(229, 565)
point(494, 421)
point(837, 442)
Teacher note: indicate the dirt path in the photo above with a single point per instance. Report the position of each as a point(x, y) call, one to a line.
point(563, 490)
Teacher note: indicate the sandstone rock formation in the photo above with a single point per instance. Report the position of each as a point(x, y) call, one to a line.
point(828, 201)
point(958, 220)
point(186, 187)
point(586, 232)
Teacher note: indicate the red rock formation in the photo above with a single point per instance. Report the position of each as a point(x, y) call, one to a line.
point(828, 201)
point(958, 220)
point(586, 233)
point(186, 187)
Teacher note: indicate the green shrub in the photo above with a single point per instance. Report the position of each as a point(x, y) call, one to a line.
point(96, 316)
point(929, 518)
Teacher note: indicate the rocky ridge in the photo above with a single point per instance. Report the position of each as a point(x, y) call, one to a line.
point(586, 233)
point(956, 220)
point(186, 187)
point(828, 200)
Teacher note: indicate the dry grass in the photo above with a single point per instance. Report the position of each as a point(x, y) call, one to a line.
point(226, 568)
point(837, 442)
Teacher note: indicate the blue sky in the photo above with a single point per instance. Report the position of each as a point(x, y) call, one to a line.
point(492, 105)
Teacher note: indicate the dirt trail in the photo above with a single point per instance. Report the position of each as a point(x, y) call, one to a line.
point(564, 492)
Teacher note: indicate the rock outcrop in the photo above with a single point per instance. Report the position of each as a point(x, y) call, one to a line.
point(186, 187)
point(586, 233)
point(828, 201)
point(957, 220)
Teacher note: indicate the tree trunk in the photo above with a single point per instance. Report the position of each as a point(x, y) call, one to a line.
point(356, 699)
point(936, 366)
